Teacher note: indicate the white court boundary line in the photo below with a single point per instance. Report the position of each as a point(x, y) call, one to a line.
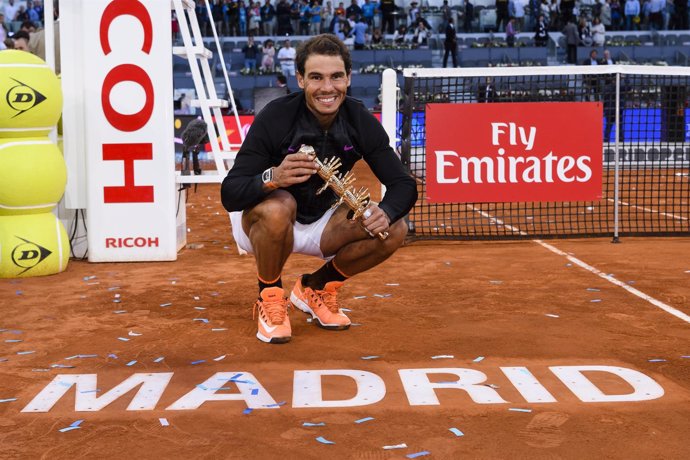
point(654, 211)
point(657, 303)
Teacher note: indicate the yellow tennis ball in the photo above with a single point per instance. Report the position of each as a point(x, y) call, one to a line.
point(30, 95)
point(33, 245)
point(32, 176)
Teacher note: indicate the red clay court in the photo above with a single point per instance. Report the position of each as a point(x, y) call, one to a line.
point(506, 319)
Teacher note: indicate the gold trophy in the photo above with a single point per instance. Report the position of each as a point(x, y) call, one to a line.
point(341, 185)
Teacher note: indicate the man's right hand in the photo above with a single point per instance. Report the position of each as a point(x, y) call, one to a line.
point(295, 169)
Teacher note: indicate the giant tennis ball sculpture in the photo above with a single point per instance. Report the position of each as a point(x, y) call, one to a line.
point(32, 176)
point(30, 95)
point(32, 245)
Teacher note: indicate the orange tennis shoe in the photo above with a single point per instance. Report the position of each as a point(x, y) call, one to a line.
point(274, 322)
point(322, 305)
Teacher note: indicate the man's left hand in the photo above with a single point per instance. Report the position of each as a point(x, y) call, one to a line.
point(375, 220)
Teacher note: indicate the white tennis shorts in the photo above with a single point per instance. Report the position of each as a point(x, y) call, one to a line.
point(307, 237)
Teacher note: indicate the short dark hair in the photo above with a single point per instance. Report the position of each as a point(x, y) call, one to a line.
point(21, 34)
point(282, 79)
point(326, 45)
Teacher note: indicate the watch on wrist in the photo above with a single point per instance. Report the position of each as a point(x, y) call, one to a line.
point(267, 178)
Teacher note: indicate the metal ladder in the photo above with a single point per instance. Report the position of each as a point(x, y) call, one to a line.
point(207, 99)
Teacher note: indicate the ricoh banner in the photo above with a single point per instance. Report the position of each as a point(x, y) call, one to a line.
point(119, 83)
point(514, 152)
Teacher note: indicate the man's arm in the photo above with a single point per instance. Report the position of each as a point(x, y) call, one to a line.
point(243, 186)
point(401, 188)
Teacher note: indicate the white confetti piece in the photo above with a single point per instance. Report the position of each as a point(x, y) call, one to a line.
point(456, 432)
point(203, 320)
point(360, 297)
point(220, 358)
point(119, 312)
point(159, 359)
point(7, 400)
point(29, 352)
point(443, 357)
point(164, 422)
point(551, 315)
point(313, 424)
point(323, 440)
point(200, 308)
point(196, 297)
point(134, 334)
point(516, 409)
point(478, 359)
point(395, 446)
point(657, 360)
point(392, 284)
point(132, 363)
point(595, 300)
point(369, 357)
point(166, 304)
point(218, 329)
point(365, 419)
point(123, 339)
point(593, 290)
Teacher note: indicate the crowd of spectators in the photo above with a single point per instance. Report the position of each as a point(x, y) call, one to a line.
point(19, 16)
point(406, 20)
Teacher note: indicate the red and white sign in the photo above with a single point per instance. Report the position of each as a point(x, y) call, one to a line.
point(513, 152)
point(128, 129)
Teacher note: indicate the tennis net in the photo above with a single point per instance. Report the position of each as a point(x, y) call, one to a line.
point(645, 157)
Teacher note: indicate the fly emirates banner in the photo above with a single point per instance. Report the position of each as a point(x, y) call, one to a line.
point(512, 152)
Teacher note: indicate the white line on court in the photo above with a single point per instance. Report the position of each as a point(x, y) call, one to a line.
point(657, 303)
point(648, 209)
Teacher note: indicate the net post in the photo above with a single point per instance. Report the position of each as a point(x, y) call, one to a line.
point(616, 168)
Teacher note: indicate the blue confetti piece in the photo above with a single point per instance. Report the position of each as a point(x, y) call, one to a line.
point(202, 386)
point(516, 409)
point(65, 384)
point(69, 428)
point(418, 454)
point(132, 363)
point(236, 376)
point(456, 432)
point(77, 423)
point(365, 419)
point(219, 388)
point(97, 390)
point(203, 320)
point(313, 424)
point(112, 355)
point(478, 359)
point(657, 360)
point(19, 292)
point(255, 391)
point(247, 411)
point(370, 357)
point(323, 440)
point(281, 403)
point(193, 363)
point(159, 359)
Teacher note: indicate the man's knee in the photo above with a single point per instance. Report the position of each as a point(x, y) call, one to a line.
point(276, 214)
point(396, 236)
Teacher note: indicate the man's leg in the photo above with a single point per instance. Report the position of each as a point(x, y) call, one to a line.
point(269, 226)
point(355, 251)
